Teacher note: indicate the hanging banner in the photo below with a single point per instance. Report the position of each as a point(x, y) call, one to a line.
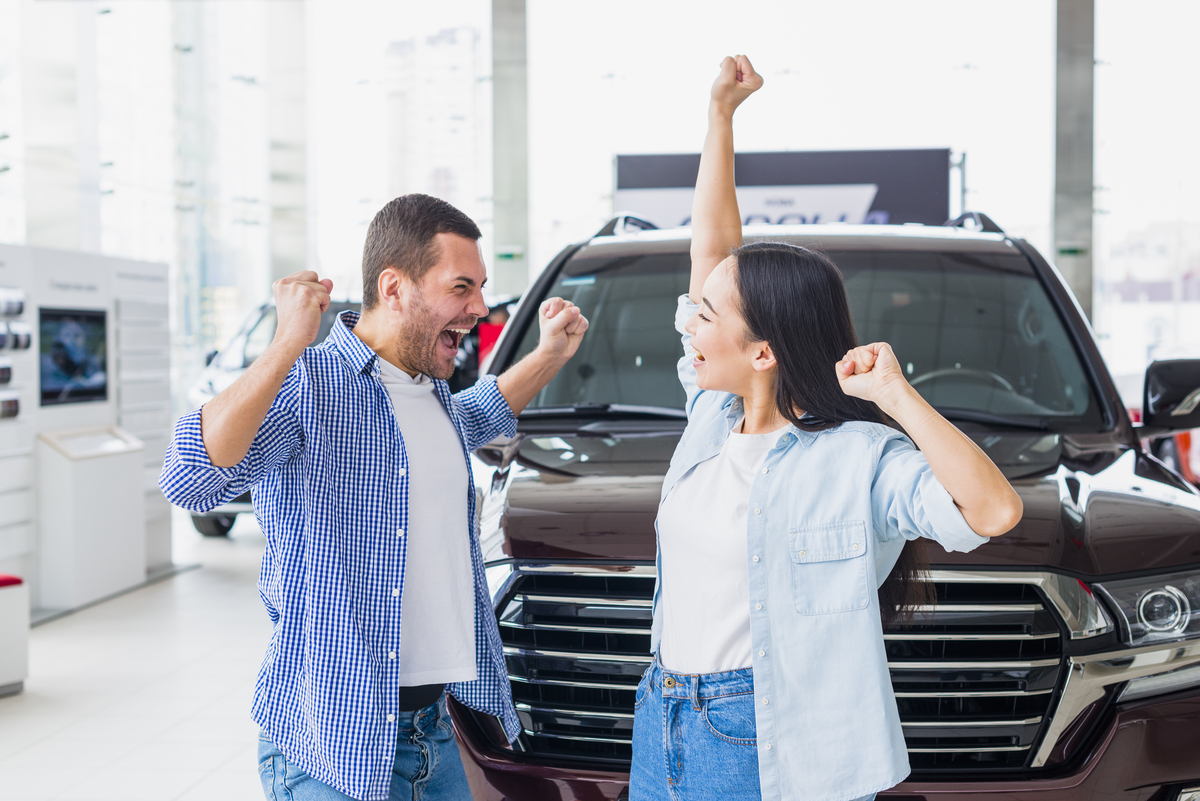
point(850, 186)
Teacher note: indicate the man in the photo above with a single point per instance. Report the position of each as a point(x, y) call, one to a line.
point(358, 458)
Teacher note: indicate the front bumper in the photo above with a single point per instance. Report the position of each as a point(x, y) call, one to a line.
point(1142, 751)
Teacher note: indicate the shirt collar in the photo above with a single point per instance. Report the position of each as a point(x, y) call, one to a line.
point(353, 349)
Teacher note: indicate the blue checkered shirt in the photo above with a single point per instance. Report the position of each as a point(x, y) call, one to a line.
point(328, 471)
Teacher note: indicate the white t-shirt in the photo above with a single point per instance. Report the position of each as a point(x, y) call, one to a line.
point(437, 611)
point(702, 536)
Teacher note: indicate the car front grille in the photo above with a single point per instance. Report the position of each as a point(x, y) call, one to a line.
point(975, 675)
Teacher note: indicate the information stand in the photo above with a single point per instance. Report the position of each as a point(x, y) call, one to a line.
point(91, 503)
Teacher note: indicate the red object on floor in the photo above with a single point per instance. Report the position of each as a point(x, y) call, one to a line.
point(10, 581)
point(488, 334)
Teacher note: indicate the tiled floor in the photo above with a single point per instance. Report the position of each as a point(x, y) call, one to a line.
point(147, 696)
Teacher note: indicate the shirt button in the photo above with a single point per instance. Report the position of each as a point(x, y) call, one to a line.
point(762, 653)
point(765, 469)
point(756, 559)
point(403, 472)
point(854, 547)
point(804, 553)
point(768, 746)
point(758, 511)
point(395, 593)
point(766, 701)
point(758, 606)
point(399, 532)
point(391, 718)
point(391, 654)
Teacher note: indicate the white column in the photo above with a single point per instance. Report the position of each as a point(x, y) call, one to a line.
point(286, 123)
point(510, 147)
point(1073, 146)
point(62, 142)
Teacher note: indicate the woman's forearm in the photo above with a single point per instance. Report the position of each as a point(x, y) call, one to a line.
point(987, 501)
point(716, 221)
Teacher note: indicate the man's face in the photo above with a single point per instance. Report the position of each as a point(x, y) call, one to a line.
point(442, 307)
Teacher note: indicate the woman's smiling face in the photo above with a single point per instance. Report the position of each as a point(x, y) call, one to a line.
point(722, 356)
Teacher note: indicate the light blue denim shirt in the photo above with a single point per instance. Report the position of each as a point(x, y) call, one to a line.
point(828, 515)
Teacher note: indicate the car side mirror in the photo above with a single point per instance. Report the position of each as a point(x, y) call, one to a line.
point(208, 357)
point(1171, 398)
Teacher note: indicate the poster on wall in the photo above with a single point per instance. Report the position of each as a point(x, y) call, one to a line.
point(73, 355)
point(850, 186)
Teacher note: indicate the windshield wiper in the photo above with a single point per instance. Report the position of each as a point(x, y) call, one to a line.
point(605, 410)
point(989, 419)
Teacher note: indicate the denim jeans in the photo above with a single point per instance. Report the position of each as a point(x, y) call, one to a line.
point(428, 765)
point(694, 738)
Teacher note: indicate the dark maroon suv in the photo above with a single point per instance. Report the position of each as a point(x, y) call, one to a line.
point(1061, 661)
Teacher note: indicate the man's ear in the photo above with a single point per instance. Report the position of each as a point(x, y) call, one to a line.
point(392, 289)
point(764, 357)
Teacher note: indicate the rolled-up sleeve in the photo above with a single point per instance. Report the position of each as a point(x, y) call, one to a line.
point(687, 370)
point(485, 413)
point(908, 501)
point(189, 478)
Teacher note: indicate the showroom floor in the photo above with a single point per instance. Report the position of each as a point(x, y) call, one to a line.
point(146, 696)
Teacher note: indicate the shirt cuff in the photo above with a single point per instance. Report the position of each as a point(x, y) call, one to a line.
point(189, 450)
point(683, 312)
point(491, 401)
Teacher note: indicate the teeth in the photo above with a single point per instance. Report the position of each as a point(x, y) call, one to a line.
point(463, 331)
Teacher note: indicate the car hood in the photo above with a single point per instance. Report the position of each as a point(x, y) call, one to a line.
point(1091, 507)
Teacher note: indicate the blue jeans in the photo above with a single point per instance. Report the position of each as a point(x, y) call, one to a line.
point(428, 765)
point(694, 737)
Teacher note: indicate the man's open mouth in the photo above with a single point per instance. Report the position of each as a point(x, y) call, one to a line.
point(451, 338)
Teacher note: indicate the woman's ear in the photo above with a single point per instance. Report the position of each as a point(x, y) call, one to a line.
point(764, 357)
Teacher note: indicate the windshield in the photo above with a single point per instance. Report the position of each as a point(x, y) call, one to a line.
point(972, 332)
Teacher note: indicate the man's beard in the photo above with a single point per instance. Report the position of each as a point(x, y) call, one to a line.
point(417, 345)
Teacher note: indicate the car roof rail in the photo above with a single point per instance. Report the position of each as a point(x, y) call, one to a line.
point(975, 221)
point(624, 223)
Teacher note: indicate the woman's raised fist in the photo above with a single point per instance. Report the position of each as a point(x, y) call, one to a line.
point(735, 83)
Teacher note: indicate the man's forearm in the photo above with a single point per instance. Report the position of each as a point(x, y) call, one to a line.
point(230, 421)
point(519, 383)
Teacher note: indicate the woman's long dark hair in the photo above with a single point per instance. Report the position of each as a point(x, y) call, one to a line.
point(795, 300)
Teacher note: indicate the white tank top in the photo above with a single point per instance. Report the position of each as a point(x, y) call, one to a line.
point(705, 582)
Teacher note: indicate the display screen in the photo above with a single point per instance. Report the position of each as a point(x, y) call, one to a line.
point(73, 351)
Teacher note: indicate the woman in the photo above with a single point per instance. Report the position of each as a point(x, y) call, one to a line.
point(787, 501)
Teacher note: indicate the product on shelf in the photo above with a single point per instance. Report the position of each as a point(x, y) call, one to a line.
point(12, 301)
point(10, 403)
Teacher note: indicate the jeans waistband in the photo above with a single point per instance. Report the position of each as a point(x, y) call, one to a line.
point(421, 719)
point(700, 685)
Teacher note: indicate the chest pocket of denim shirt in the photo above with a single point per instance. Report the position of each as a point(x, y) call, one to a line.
point(829, 568)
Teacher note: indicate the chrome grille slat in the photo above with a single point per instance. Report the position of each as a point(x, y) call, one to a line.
point(977, 750)
point(974, 675)
point(970, 724)
point(967, 637)
point(588, 629)
point(973, 665)
point(985, 694)
point(944, 609)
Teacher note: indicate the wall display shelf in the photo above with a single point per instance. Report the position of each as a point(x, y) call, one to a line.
point(84, 344)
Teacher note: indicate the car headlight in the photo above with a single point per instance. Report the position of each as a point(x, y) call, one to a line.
point(1156, 609)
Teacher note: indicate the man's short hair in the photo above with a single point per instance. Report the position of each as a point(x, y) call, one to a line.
point(402, 236)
